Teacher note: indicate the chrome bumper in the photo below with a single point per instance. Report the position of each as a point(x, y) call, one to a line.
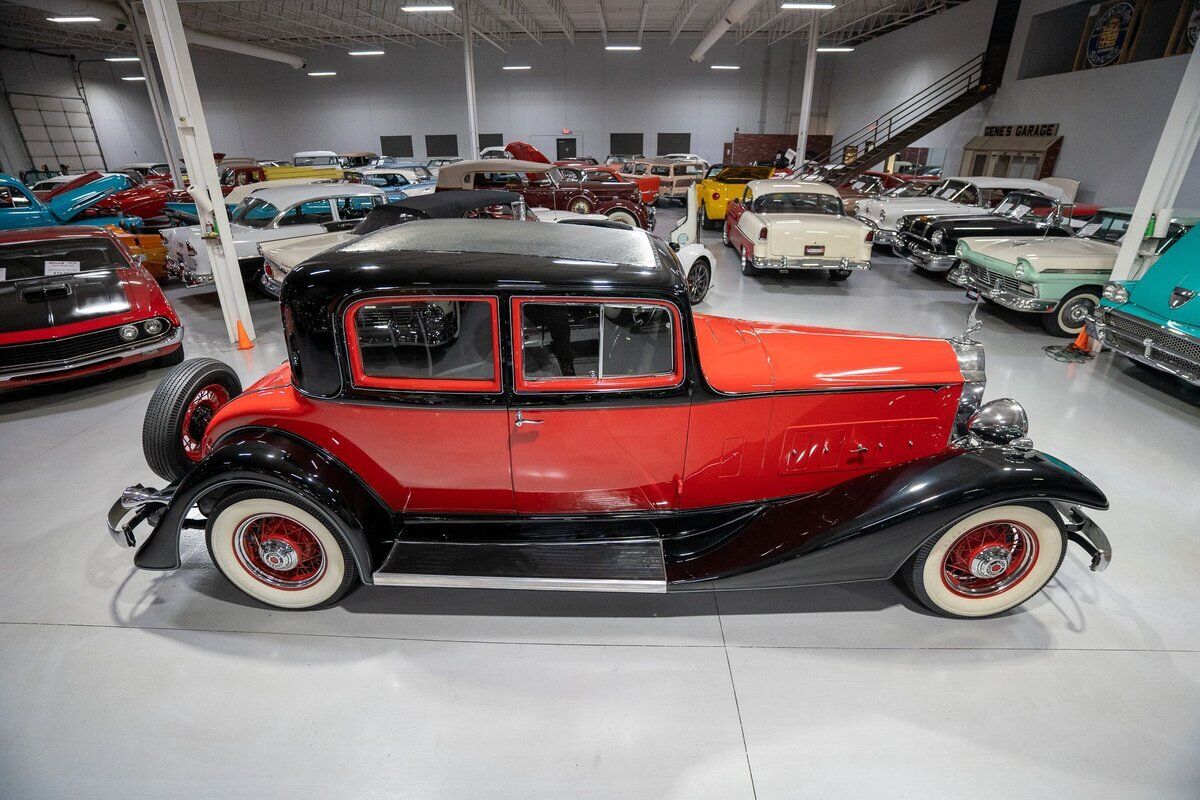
point(72, 364)
point(1087, 534)
point(180, 269)
point(269, 284)
point(136, 505)
point(906, 248)
point(1004, 297)
point(1146, 349)
point(880, 236)
point(783, 263)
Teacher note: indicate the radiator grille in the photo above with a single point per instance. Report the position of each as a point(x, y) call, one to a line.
point(1181, 351)
point(16, 356)
point(992, 280)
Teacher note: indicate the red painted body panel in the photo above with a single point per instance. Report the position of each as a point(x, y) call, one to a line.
point(648, 185)
point(146, 201)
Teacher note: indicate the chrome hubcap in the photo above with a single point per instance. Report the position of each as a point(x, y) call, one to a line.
point(991, 562)
point(278, 554)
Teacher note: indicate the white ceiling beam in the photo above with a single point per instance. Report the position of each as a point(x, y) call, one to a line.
point(686, 8)
point(642, 22)
point(559, 12)
point(603, 23)
point(520, 16)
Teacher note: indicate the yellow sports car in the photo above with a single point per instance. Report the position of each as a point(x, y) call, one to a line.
point(720, 185)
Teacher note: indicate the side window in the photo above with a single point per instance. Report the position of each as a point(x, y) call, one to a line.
point(748, 197)
point(431, 344)
point(13, 198)
point(314, 212)
point(355, 207)
point(591, 346)
point(969, 197)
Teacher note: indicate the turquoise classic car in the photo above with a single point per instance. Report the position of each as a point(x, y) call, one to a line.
point(20, 207)
point(1155, 320)
point(1062, 278)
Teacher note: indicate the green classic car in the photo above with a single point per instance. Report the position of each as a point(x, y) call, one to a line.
point(1061, 279)
point(1156, 320)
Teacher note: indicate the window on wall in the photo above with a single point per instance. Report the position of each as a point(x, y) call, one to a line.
point(491, 140)
point(397, 146)
point(674, 143)
point(441, 145)
point(626, 144)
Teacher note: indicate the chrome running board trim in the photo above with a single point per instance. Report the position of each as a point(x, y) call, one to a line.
point(503, 582)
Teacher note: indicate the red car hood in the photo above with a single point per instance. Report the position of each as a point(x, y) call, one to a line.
point(523, 151)
point(745, 357)
point(146, 201)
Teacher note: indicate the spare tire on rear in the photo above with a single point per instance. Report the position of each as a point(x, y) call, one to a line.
point(179, 413)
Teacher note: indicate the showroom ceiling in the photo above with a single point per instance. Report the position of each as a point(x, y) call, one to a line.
point(304, 26)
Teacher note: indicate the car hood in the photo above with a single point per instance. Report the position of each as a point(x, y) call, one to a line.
point(1178, 268)
point(1060, 253)
point(897, 207)
point(288, 254)
point(140, 201)
point(43, 302)
point(73, 202)
point(745, 357)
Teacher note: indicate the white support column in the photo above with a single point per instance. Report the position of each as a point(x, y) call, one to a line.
point(188, 115)
point(154, 89)
point(810, 69)
point(469, 64)
point(1175, 151)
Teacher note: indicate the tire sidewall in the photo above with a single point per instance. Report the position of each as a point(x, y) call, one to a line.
point(927, 568)
point(1060, 323)
point(702, 264)
point(222, 526)
point(621, 215)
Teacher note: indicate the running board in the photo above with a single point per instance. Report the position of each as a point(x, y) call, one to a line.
point(631, 565)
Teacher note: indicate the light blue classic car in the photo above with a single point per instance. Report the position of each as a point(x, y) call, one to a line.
point(1155, 320)
point(20, 207)
point(399, 181)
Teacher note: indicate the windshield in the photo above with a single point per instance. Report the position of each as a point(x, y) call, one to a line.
point(797, 203)
point(1105, 228)
point(911, 189)
point(949, 190)
point(58, 257)
point(315, 161)
point(742, 174)
point(602, 176)
point(865, 184)
point(255, 213)
point(1019, 206)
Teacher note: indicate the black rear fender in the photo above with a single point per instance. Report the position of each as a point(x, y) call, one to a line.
point(272, 459)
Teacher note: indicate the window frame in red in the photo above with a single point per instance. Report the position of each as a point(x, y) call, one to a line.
point(523, 385)
point(361, 380)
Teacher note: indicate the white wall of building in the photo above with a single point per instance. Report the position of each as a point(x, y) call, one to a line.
point(1110, 119)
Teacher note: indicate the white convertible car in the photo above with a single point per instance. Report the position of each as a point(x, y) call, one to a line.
point(784, 225)
point(957, 196)
point(268, 215)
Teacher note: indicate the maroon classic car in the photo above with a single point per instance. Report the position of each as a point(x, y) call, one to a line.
point(545, 186)
point(473, 403)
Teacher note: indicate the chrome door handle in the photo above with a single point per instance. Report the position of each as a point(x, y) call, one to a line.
point(522, 421)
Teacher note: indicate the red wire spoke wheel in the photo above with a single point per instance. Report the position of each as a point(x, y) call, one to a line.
point(989, 562)
point(180, 411)
point(199, 412)
point(279, 551)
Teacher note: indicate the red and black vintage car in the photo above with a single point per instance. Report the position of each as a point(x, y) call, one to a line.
point(482, 404)
point(74, 301)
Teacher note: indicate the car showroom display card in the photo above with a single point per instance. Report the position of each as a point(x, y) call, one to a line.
point(62, 267)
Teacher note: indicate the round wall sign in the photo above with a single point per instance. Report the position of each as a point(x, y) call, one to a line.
point(1109, 35)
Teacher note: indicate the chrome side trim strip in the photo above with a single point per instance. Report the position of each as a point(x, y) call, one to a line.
point(512, 582)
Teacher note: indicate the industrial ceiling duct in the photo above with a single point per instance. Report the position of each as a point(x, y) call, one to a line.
point(736, 13)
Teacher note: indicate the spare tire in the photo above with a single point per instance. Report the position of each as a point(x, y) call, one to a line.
point(179, 412)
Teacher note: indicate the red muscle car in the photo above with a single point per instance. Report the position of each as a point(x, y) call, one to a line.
point(477, 403)
point(139, 198)
point(74, 301)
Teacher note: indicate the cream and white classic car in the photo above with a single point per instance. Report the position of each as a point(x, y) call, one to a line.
point(958, 196)
point(267, 215)
point(784, 225)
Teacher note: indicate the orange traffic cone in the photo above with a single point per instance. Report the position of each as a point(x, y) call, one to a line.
point(1081, 341)
point(244, 342)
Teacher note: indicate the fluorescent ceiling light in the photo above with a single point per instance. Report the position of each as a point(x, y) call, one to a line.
point(807, 6)
point(430, 8)
point(121, 58)
point(321, 74)
point(724, 66)
point(366, 52)
point(622, 47)
point(134, 78)
point(835, 49)
point(516, 67)
point(73, 19)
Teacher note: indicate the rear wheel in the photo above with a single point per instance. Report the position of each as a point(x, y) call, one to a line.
point(840, 274)
point(748, 268)
point(705, 222)
point(725, 235)
point(992, 561)
point(280, 549)
point(620, 215)
point(699, 278)
point(1068, 317)
point(179, 412)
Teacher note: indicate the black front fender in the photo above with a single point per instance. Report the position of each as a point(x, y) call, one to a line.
point(270, 458)
point(868, 527)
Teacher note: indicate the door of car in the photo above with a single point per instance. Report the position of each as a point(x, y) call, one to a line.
point(585, 436)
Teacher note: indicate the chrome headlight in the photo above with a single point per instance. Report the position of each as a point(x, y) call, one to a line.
point(1021, 269)
point(960, 249)
point(999, 422)
point(1116, 293)
point(938, 237)
point(153, 327)
point(972, 365)
point(128, 332)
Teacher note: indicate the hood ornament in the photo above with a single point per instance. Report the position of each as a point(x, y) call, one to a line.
point(966, 338)
point(1180, 296)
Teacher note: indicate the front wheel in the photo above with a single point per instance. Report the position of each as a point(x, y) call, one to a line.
point(992, 561)
point(699, 278)
point(179, 412)
point(280, 549)
point(580, 206)
point(1069, 316)
point(725, 235)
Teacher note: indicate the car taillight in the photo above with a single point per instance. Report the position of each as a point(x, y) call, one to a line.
point(762, 234)
point(870, 237)
point(716, 195)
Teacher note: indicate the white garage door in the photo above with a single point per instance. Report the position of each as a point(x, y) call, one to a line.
point(57, 130)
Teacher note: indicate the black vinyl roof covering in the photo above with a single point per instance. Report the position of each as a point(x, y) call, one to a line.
point(435, 205)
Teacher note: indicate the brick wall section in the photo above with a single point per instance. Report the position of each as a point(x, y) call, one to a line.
point(751, 147)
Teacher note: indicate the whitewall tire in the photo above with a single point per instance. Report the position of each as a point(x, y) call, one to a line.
point(987, 563)
point(279, 550)
point(625, 217)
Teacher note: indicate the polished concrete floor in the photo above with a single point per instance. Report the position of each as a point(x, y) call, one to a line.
point(116, 683)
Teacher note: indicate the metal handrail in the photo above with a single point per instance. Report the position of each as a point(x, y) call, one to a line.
point(950, 86)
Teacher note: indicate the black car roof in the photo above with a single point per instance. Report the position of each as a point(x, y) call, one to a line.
point(435, 205)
